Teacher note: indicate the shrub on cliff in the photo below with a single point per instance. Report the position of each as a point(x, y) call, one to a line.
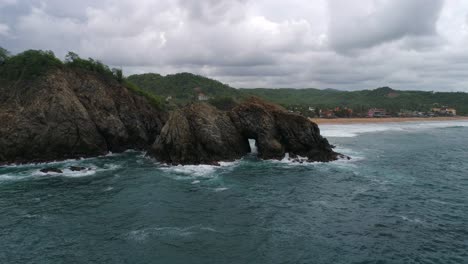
point(155, 100)
point(4, 54)
point(223, 103)
point(28, 64)
point(72, 60)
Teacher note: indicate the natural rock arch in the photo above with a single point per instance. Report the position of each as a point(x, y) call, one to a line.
point(201, 134)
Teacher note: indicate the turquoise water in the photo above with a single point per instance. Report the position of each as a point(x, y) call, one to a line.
point(403, 198)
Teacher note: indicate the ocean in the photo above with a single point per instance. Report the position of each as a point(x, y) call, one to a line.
point(403, 198)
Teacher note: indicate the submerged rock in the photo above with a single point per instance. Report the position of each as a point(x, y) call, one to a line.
point(201, 134)
point(54, 170)
point(78, 168)
point(70, 114)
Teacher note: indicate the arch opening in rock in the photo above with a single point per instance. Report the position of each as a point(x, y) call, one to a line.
point(253, 146)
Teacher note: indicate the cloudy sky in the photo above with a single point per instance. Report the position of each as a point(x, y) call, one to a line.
point(343, 44)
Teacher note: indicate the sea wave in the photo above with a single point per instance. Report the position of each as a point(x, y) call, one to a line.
point(197, 171)
point(33, 171)
point(353, 130)
point(180, 232)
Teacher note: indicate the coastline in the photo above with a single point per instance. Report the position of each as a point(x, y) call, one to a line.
point(370, 120)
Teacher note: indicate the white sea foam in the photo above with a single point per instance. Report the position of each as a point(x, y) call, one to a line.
point(220, 189)
point(352, 130)
point(253, 147)
point(414, 220)
point(143, 234)
point(196, 171)
point(34, 170)
point(7, 177)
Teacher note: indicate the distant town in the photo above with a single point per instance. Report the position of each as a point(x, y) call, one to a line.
point(345, 112)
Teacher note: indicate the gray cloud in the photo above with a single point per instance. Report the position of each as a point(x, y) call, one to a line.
point(410, 44)
point(357, 26)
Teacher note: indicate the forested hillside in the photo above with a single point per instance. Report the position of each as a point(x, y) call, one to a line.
point(392, 100)
point(182, 86)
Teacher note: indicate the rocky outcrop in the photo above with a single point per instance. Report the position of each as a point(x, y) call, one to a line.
point(70, 114)
point(278, 132)
point(201, 134)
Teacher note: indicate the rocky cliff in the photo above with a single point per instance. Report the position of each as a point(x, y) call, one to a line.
point(72, 113)
point(201, 134)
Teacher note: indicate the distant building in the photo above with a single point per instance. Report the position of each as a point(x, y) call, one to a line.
point(444, 111)
point(203, 97)
point(377, 112)
point(327, 114)
point(451, 111)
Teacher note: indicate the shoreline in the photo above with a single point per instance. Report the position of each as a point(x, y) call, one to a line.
point(372, 120)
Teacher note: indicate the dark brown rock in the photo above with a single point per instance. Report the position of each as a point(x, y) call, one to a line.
point(78, 168)
point(199, 134)
point(278, 132)
point(70, 114)
point(49, 170)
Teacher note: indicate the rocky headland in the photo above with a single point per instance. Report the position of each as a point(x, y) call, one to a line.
point(201, 134)
point(73, 113)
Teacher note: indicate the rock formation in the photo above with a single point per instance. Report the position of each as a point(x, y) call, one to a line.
point(70, 114)
point(278, 132)
point(201, 134)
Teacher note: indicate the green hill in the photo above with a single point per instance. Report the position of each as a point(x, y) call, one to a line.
point(182, 86)
point(360, 101)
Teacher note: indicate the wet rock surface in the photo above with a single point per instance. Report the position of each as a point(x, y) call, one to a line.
point(51, 170)
point(70, 114)
point(201, 134)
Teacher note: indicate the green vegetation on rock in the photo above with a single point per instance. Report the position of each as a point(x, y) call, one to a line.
point(27, 65)
point(182, 87)
point(31, 64)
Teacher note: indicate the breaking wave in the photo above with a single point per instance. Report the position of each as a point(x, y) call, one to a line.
point(353, 130)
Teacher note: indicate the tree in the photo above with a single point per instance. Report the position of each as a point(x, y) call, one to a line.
point(71, 57)
point(4, 54)
point(118, 74)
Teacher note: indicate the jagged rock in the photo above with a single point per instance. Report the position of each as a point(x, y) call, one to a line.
point(54, 170)
point(199, 134)
point(72, 113)
point(277, 132)
point(78, 168)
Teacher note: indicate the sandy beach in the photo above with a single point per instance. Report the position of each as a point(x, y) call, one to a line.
point(384, 120)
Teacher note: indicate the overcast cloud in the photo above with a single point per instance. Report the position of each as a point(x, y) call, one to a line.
point(405, 44)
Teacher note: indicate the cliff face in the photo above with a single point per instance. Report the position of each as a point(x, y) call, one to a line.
point(73, 113)
point(278, 132)
point(70, 114)
point(201, 134)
